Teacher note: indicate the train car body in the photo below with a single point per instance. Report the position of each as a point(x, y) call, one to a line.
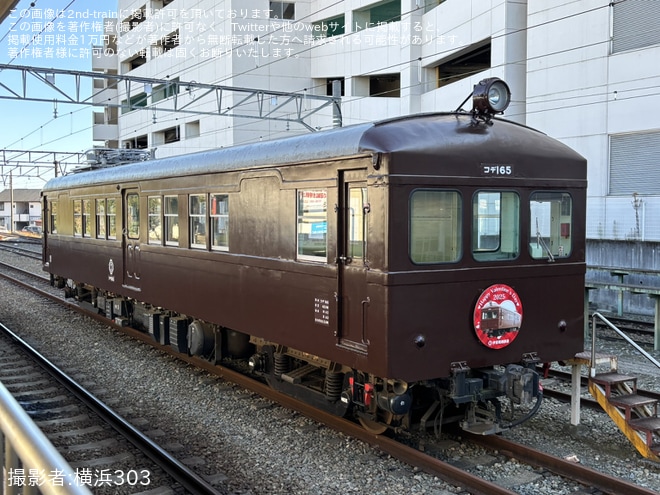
point(352, 264)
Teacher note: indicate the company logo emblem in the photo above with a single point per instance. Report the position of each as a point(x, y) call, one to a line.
point(498, 316)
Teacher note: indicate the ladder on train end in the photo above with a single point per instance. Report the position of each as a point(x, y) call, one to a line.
point(634, 414)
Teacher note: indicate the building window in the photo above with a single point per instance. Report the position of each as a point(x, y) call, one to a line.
point(136, 61)
point(551, 225)
point(634, 25)
point(329, 84)
point(220, 222)
point(386, 85)
point(140, 142)
point(111, 218)
point(154, 211)
point(137, 17)
point(313, 225)
point(495, 225)
point(171, 217)
point(381, 13)
point(137, 101)
point(100, 219)
point(282, 10)
point(165, 44)
point(77, 218)
point(170, 135)
point(435, 226)
point(329, 27)
point(633, 164)
point(465, 64)
point(197, 215)
point(164, 91)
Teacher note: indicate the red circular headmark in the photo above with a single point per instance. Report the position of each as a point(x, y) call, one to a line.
point(498, 316)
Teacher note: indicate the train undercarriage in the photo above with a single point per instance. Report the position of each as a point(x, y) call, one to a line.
point(481, 401)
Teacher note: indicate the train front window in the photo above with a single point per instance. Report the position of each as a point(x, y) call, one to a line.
point(551, 225)
point(313, 225)
point(495, 225)
point(435, 226)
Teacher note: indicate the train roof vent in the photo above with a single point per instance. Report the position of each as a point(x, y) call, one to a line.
point(96, 158)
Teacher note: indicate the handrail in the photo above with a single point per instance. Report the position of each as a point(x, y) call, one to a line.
point(25, 441)
point(592, 370)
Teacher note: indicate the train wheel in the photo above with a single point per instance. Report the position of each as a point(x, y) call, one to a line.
point(377, 427)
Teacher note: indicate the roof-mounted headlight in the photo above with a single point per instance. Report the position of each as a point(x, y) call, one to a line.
point(491, 96)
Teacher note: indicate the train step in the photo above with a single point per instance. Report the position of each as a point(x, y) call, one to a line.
point(635, 415)
point(616, 381)
point(295, 376)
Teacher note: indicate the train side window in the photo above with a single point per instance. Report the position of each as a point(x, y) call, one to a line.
point(133, 216)
point(197, 215)
point(551, 225)
point(312, 231)
point(220, 222)
point(77, 218)
point(53, 217)
point(111, 218)
point(100, 219)
point(87, 217)
point(171, 220)
point(154, 206)
point(435, 226)
point(495, 225)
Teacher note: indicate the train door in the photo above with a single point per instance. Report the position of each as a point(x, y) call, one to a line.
point(352, 260)
point(131, 238)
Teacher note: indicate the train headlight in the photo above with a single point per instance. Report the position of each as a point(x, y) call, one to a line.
point(491, 96)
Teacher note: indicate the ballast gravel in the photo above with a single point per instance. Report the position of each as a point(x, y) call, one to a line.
point(247, 445)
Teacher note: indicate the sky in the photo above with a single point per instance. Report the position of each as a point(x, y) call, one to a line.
point(28, 38)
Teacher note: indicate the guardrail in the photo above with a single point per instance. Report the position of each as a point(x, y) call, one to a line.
point(592, 369)
point(32, 464)
point(620, 273)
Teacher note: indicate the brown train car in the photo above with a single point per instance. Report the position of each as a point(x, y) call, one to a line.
point(348, 267)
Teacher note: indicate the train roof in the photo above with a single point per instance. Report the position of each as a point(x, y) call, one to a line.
point(421, 134)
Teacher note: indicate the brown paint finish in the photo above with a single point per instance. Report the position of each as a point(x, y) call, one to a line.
point(366, 303)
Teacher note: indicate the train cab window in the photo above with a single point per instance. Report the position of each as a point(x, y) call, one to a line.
point(312, 229)
point(220, 222)
point(133, 215)
point(100, 219)
point(77, 218)
point(495, 225)
point(53, 216)
point(435, 226)
point(551, 225)
point(171, 218)
point(154, 210)
point(111, 218)
point(198, 221)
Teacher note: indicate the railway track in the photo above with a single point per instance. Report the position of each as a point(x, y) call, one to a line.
point(108, 454)
point(413, 455)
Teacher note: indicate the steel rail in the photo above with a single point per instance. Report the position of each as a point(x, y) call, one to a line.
point(190, 480)
point(577, 472)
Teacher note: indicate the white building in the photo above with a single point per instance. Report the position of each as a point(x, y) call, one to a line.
point(583, 71)
point(23, 212)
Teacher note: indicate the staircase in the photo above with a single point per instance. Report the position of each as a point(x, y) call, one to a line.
point(635, 415)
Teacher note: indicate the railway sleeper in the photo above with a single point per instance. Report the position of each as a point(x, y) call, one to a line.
point(469, 397)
